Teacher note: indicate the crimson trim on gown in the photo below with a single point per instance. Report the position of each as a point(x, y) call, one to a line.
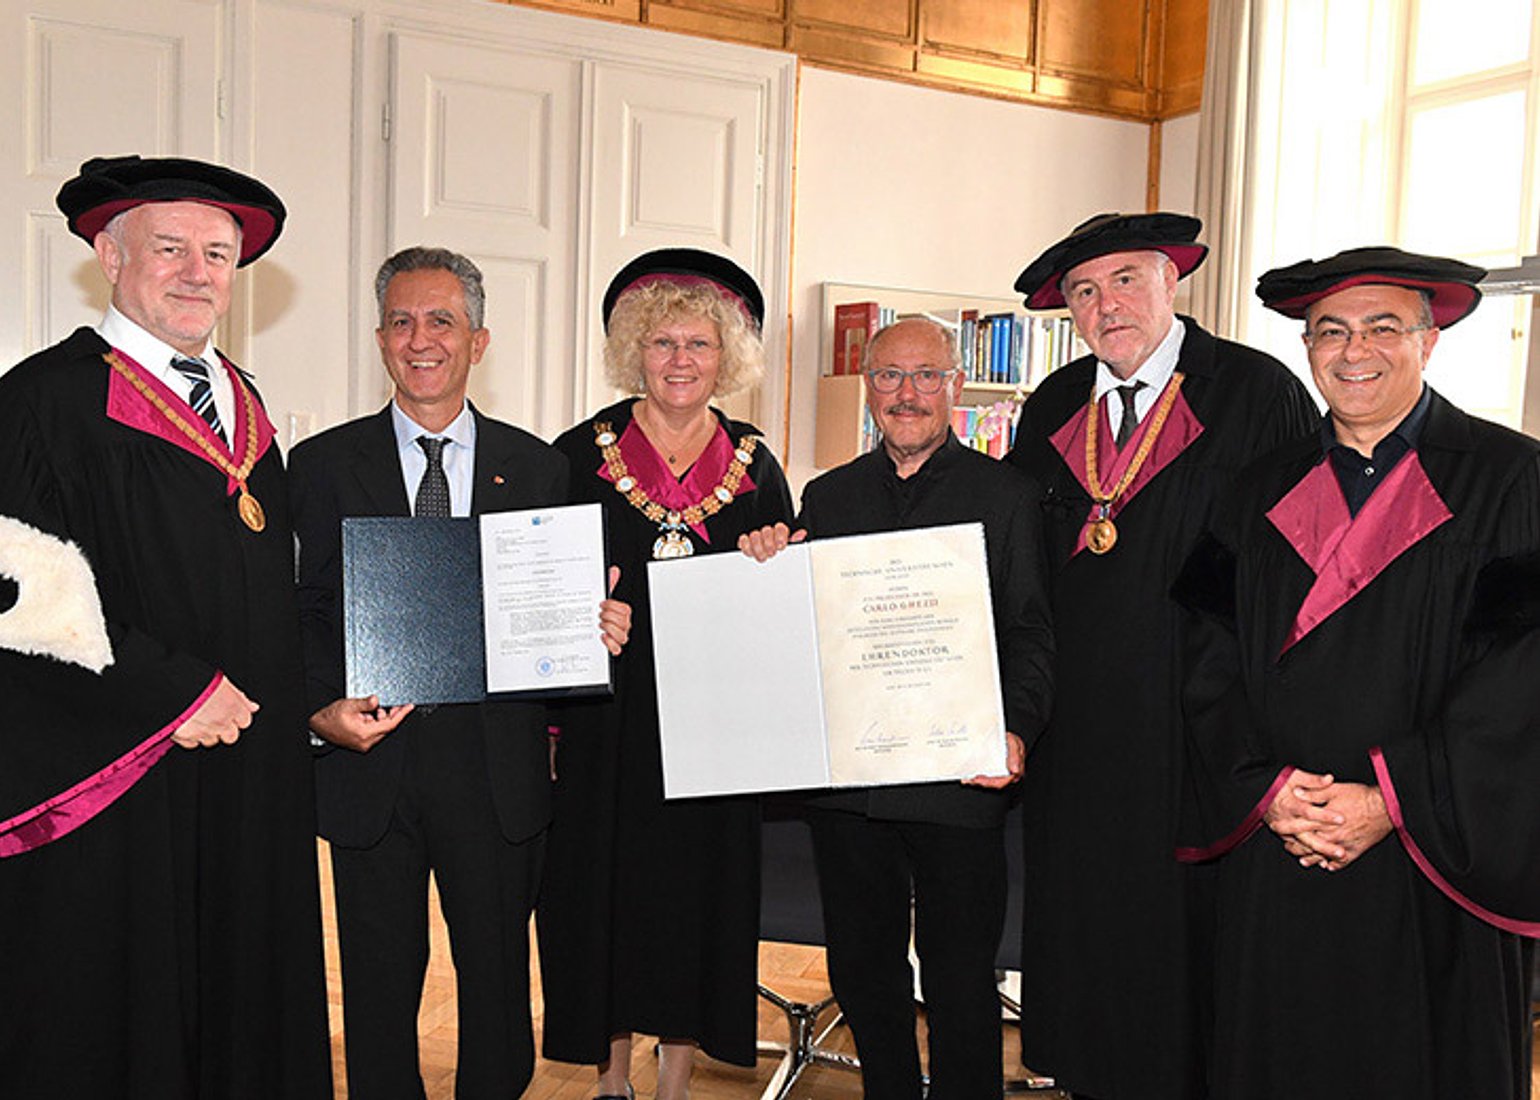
point(1344, 551)
point(1247, 826)
point(1182, 427)
point(129, 407)
point(1393, 808)
point(676, 494)
point(69, 810)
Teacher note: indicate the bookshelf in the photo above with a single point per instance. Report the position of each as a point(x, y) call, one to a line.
point(1001, 364)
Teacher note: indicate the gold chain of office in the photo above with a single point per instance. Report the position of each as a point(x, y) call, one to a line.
point(1101, 533)
point(248, 506)
point(672, 541)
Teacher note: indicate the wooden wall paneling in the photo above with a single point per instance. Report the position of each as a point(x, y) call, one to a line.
point(982, 29)
point(1184, 43)
point(1102, 56)
point(86, 78)
point(885, 19)
point(728, 25)
point(626, 11)
point(484, 159)
point(1099, 39)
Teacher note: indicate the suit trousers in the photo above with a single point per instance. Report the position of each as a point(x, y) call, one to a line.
point(866, 869)
point(443, 821)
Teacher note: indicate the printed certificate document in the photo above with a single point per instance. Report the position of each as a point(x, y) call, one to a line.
point(858, 661)
point(456, 610)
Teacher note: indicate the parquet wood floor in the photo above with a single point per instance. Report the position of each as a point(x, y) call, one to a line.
point(794, 971)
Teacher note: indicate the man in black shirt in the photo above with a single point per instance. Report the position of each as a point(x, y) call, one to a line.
point(1363, 709)
point(943, 841)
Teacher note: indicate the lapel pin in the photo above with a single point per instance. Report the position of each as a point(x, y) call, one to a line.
point(497, 479)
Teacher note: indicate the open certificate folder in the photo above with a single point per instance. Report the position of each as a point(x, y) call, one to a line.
point(857, 661)
point(457, 610)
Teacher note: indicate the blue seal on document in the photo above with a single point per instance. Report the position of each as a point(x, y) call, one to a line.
point(545, 666)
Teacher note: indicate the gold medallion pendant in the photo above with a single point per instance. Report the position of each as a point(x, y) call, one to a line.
point(1101, 536)
point(251, 511)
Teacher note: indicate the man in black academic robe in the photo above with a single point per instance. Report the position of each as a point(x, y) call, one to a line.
point(1363, 682)
point(160, 915)
point(461, 790)
point(942, 841)
point(1115, 948)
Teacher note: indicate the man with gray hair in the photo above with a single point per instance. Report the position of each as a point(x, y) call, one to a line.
point(944, 843)
point(158, 899)
point(1133, 445)
point(462, 791)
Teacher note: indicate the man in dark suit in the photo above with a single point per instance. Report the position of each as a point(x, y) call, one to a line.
point(941, 844)
point(463, 791)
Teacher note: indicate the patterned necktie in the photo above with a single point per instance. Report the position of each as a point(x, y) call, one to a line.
point(201, 397)
point(1130, 419)
point(433, 489)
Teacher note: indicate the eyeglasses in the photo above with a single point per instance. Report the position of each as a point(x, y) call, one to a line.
point(924, 379)
point(664, 348)
point(1381, 334)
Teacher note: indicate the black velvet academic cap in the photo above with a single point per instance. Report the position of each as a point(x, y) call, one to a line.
point(686, 266)
point(1451, 284)
point(1173, 234)
point(106, 186)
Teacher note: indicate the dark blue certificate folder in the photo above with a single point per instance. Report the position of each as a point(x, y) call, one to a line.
point(413, 613)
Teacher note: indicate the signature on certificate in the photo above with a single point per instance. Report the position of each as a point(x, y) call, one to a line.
point(874, 738)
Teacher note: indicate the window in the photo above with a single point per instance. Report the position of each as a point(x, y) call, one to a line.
point(1469, 174)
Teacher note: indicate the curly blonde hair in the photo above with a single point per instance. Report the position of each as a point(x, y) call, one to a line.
point(643, 310)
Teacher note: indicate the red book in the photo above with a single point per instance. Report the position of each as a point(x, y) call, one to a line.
point(854, 324)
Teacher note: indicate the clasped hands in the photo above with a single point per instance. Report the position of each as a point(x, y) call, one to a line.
point(361, 723)
point(767, 542)
point(1325, 823)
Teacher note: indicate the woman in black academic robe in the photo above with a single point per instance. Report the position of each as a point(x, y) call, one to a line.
point(649, 913)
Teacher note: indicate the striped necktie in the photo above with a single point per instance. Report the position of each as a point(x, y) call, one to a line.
point(201, 397)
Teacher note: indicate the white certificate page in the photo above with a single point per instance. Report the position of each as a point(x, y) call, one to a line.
point(866, 660)
point(906, 642)
point(543, 578)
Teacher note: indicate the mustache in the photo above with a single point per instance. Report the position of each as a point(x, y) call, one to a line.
point(900, 407)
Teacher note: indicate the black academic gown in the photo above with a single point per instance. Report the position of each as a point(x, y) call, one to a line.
point(169, 947)
point(649, 913)
point(1411, 665)
point(1115, 942)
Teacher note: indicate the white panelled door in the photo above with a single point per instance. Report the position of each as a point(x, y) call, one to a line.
point(484, 160)
point(678, 162)
point(80, 79)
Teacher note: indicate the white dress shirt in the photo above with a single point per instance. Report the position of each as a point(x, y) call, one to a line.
point(1154, 372)
point(459, 456)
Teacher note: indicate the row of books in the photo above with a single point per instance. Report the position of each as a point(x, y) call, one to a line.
point(987, 428)
point(1000, 348)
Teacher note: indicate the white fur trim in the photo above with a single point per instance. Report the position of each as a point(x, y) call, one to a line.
point(58, 613)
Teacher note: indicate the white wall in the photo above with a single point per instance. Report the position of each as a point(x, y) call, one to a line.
point(1179, 164)
point(909, 187)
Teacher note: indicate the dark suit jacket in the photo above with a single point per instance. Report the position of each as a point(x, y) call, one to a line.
point(353, 470)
